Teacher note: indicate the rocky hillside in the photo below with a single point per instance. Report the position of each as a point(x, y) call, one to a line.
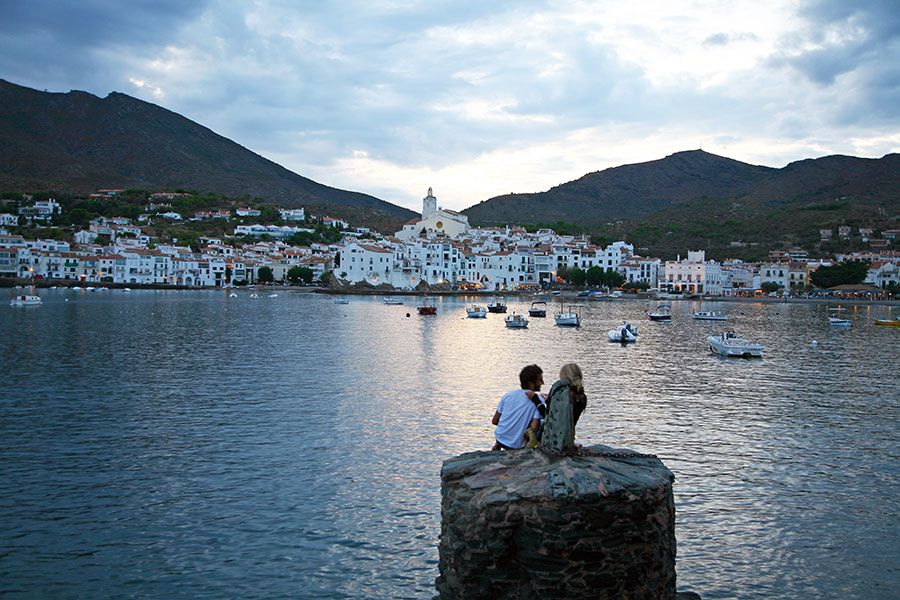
point(78, 142)
point(645, 189)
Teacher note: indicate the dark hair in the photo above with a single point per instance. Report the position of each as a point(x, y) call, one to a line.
point(529, 374)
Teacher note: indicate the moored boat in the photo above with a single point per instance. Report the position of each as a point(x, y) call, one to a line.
point(538, 309)
point(567, 316)
point(663, 312)
point(476, 312)
point(728, 344)
point(624, 333)
point(708, 315)
point(836, 322)
point(26, 300)
point(427, 306)
point(888, 322)
point(516, 321)
point(497, 306)
point(392, 301)
point(340, 301)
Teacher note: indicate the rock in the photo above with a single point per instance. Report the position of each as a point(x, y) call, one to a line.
point(529, 524)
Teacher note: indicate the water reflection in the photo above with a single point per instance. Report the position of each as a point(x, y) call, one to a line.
point(172, 443)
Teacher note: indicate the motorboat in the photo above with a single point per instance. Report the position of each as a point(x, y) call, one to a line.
point(567, 316)
point(392, 301)
point(708, 315)
point(516, 321)
point(126, 290)
point(836, 322)
point(254, 295)
point(272, 296)
point(624, 333)
point(497, 306)
point(663, 312)
point(888, 322)
point(538, 309)
point(476, 312)
point(427, 306)
point(26, 300)
point(340, 301)
point(232, 295)
point(729, 344)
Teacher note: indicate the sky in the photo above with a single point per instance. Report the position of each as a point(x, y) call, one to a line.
point(477, 99)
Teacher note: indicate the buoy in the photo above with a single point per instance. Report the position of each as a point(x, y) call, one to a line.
point(814, 343)
point(407, 314)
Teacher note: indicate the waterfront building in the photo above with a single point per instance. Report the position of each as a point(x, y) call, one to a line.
point(693, 275)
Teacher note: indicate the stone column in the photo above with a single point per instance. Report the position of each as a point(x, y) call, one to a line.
point(527, 524)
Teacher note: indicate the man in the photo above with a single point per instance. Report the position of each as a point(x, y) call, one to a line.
point(517, 411)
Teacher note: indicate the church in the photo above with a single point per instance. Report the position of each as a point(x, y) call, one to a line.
point(434, 219)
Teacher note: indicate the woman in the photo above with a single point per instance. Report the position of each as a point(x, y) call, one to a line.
point(565, 403)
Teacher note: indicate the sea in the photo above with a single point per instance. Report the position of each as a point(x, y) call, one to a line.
point(189, 444)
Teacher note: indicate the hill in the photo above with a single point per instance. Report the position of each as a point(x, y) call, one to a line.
point(637, 190)
point(77, 142)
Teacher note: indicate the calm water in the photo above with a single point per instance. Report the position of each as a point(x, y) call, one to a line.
point(187, 444)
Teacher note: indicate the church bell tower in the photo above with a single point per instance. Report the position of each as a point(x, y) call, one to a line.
point(429, 204)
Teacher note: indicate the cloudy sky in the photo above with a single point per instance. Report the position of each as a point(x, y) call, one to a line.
point(477, 98)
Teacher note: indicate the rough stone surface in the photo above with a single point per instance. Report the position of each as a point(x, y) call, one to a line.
point(533, 525)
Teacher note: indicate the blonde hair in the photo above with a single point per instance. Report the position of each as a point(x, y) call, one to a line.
point(571, 374)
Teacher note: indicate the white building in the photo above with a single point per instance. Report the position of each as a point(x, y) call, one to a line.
point(8, 220)
point(434, 220)
point(693, 275)
point(364, 262)
point(293, 214)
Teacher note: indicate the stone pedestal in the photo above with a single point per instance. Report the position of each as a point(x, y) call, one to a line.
point(525, 524)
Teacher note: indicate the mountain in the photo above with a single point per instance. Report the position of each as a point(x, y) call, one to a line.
point(645, 189)
point(78, 142)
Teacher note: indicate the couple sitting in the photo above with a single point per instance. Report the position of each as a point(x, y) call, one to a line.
point(521, 412)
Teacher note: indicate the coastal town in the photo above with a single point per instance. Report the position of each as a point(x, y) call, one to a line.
point(438, 251)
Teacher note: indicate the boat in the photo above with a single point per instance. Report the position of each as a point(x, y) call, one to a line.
point(340, 301)
point(556, 292)
point(254, 295)
point(839, 322)
point(663, 312)
point(272, 296)
point(232, 295)
point(708, 315)
point(888, 322)
point(538, 309)
point(624, 333)
point(476, 312)
point(427, 307)
point(728, 344)
point(497, 306)
point(392, 301)
point(516, 321)
point(26, 300)
point(567, 316)
point(126, 290)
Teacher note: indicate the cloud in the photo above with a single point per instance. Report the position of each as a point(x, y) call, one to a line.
point(480, 99)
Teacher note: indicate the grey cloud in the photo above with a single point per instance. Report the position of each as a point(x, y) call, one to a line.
point(723, 39)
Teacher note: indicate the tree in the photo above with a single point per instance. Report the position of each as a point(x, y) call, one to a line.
point(612, 279)
point(296, 275)
point(577, 276)
point(562, 272)
point(850, 272)
point(594, 276)
point(769, 286)
point(264, 275)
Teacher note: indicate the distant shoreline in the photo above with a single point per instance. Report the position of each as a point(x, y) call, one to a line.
point(566, 296)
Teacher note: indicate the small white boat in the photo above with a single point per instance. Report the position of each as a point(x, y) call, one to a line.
point(341, 301)
point(567, 316)
point(728, 344)
point(392, 301)
point(254, 295)
point(127, 290)
point(708, 315)
point(624, 333)
point(232, 295)
point(476, 312)
point(26, 300)
point(538, 309)
point(839, 322)
point(516, 321)
point(273, 295)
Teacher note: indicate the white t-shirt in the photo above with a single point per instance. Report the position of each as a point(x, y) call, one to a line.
point(516, 413)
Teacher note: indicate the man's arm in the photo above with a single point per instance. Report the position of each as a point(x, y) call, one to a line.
point(496, 419)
